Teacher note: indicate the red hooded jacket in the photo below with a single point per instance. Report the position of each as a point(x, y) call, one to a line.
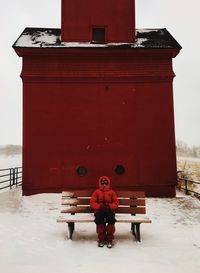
point(104, 196)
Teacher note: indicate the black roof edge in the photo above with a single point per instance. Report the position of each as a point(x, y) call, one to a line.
point(150, 35)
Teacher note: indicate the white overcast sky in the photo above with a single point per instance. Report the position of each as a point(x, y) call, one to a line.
point(180, 17)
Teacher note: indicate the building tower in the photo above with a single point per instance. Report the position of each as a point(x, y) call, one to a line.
point(98, 100)
point(106, 21)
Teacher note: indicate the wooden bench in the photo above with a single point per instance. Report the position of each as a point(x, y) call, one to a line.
point(76, 209)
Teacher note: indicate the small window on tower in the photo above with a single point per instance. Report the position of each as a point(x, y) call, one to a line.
point(98, 35)
point(120, 170)
point(81, 171)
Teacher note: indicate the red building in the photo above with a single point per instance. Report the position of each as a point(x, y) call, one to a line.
point(98, 100)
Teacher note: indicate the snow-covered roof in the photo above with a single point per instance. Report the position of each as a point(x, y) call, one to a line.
point(51, 38)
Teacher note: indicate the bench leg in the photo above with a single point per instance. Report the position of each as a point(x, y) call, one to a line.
point(71, 229)
point(138, 232)
point(135, 228)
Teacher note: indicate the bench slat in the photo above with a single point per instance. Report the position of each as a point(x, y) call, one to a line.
point(86, 201)
point(77, 193)
point(87, 209)
point(89, 218)
point(131, 210)
point(131, 194)
point(88, 193)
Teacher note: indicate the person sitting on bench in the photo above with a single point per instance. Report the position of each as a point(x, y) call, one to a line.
point(104, 201)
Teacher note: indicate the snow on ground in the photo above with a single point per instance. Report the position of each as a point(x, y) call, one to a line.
point(31, 240)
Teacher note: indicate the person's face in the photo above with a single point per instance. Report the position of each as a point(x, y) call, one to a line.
point(104, 182)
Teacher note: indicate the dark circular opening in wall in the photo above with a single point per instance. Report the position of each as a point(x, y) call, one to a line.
point(81, 170)
point(120, 170)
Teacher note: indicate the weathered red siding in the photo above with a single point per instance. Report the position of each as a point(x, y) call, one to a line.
point(116, 108)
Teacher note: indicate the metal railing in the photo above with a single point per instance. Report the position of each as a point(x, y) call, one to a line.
point(188, 186)
point(10, 177)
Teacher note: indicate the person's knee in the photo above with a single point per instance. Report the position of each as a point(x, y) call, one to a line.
point(110, 219)
point(99, 221)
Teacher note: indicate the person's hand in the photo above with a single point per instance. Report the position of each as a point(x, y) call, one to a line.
point(107, 208)
point(104, 208)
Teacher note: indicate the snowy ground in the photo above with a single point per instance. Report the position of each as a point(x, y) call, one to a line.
point(31, 240)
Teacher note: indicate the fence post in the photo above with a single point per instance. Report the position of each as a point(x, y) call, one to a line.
point(13, 182)
point(16, 177)
point(186, 187)
point(11, 177)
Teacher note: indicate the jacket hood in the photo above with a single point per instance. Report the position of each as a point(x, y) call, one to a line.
point(107, 187)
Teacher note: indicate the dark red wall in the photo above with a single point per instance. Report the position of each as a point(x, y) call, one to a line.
point(98, 108)
point(117, 16)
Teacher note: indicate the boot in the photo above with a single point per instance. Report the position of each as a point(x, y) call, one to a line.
point(109, 245)
point(101, 244)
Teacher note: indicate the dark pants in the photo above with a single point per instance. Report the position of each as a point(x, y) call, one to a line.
point(105, 232)
point(104, 217)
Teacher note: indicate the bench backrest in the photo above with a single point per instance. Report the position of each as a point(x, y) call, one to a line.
point(132, 202)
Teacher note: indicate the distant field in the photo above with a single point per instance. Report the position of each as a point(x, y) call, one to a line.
point(10, 161)
point(191, 167)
